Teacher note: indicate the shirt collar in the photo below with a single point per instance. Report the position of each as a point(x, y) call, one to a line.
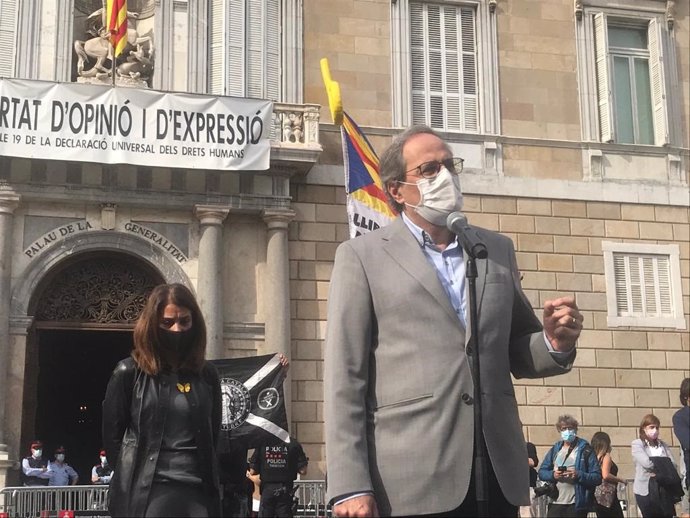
point(421, 236)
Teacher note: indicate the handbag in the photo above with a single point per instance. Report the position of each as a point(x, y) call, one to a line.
point(605, 493)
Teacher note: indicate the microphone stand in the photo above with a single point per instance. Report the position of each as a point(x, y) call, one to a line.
point(481, 474)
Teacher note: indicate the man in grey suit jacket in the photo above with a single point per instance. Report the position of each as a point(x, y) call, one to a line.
point(398, 386)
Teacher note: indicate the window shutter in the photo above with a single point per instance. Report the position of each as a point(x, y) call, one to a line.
point(418, 37)
point(658, 85)
point(273, 75)
point(601, 66)
point(216, 66)
point(469, 70)
point(435, 80)
point(443, 66)
point(664, 283)
point(643, 285)
point(8, 36)
point(256, 29)
point(621, 283)
point(236, 30)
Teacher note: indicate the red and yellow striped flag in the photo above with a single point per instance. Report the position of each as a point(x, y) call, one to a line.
point(117, 24)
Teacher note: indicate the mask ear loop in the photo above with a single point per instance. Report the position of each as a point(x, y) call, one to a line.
point(421, 194)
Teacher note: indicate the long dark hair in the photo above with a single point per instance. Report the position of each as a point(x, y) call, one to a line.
point(601, 444)
point(147, 348)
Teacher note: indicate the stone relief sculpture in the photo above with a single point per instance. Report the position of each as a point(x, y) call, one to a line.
point(134, 67)
point(292, 128)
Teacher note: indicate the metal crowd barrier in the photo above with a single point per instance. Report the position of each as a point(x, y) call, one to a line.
point(311, 497)
point(625, 496)
point(47, 502)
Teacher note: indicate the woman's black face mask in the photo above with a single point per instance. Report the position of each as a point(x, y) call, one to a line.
point(176, 342)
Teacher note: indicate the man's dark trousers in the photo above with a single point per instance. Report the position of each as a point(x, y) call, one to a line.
point(276, 500)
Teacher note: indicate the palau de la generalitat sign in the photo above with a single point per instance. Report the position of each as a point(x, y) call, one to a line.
point(103, 124)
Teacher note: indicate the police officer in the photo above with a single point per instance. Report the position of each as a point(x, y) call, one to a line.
point(278, 466)
point(101, 473)
point(61, 473)
point(35, 467)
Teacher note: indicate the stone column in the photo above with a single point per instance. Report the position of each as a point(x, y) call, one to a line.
point(9, 200)
point(210, 280)
point(277, 292)
point(19, 402)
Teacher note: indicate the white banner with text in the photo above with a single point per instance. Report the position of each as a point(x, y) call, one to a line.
point(116, 125)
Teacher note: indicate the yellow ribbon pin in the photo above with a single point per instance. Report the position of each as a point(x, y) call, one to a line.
point(184, 387)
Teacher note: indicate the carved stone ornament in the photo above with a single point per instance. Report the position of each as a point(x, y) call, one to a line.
point(578, 9)
point(134, 67)
point(98, 290)
point(670, 13)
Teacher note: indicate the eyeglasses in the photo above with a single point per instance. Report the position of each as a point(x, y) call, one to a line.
point(169, 322)
point(430, 169)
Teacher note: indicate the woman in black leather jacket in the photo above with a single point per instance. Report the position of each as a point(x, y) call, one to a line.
point(161, 414)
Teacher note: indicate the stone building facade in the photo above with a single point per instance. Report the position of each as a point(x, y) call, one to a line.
point(549, 161)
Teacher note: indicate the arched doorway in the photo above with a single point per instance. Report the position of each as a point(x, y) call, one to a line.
point(84, 312)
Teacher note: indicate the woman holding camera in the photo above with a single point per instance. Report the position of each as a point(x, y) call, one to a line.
point(572, 469)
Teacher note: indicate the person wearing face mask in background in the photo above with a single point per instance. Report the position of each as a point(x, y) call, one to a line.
point(35, 467)
point(101, 473)
point(573, 465)
point(162, 414)
point(646, 452)
point(398, 388)
point(61, 473)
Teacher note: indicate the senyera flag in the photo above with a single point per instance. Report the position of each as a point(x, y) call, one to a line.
point(116, 11)
point(367, 206)
point(253, 402)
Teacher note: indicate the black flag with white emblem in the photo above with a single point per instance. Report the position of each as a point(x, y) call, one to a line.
point(253, 403)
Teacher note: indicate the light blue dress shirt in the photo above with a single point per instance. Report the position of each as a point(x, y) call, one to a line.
point(60, 474)
point(449, 266)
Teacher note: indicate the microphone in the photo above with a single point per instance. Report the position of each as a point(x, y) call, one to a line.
point(471, 242)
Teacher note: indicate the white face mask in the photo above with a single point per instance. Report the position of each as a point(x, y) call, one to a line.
point(36, 453)
point(439, 197)
point(60, 457)
point(104, 460)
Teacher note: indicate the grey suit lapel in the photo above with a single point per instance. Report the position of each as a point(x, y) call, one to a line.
point(404, 249)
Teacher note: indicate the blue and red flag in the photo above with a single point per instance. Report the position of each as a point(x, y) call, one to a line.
point(367, 205)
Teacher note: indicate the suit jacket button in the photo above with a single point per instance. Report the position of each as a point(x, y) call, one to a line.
point(466, 398)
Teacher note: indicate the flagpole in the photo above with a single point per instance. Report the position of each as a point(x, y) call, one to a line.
point(112, 59)
point(109, 7)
